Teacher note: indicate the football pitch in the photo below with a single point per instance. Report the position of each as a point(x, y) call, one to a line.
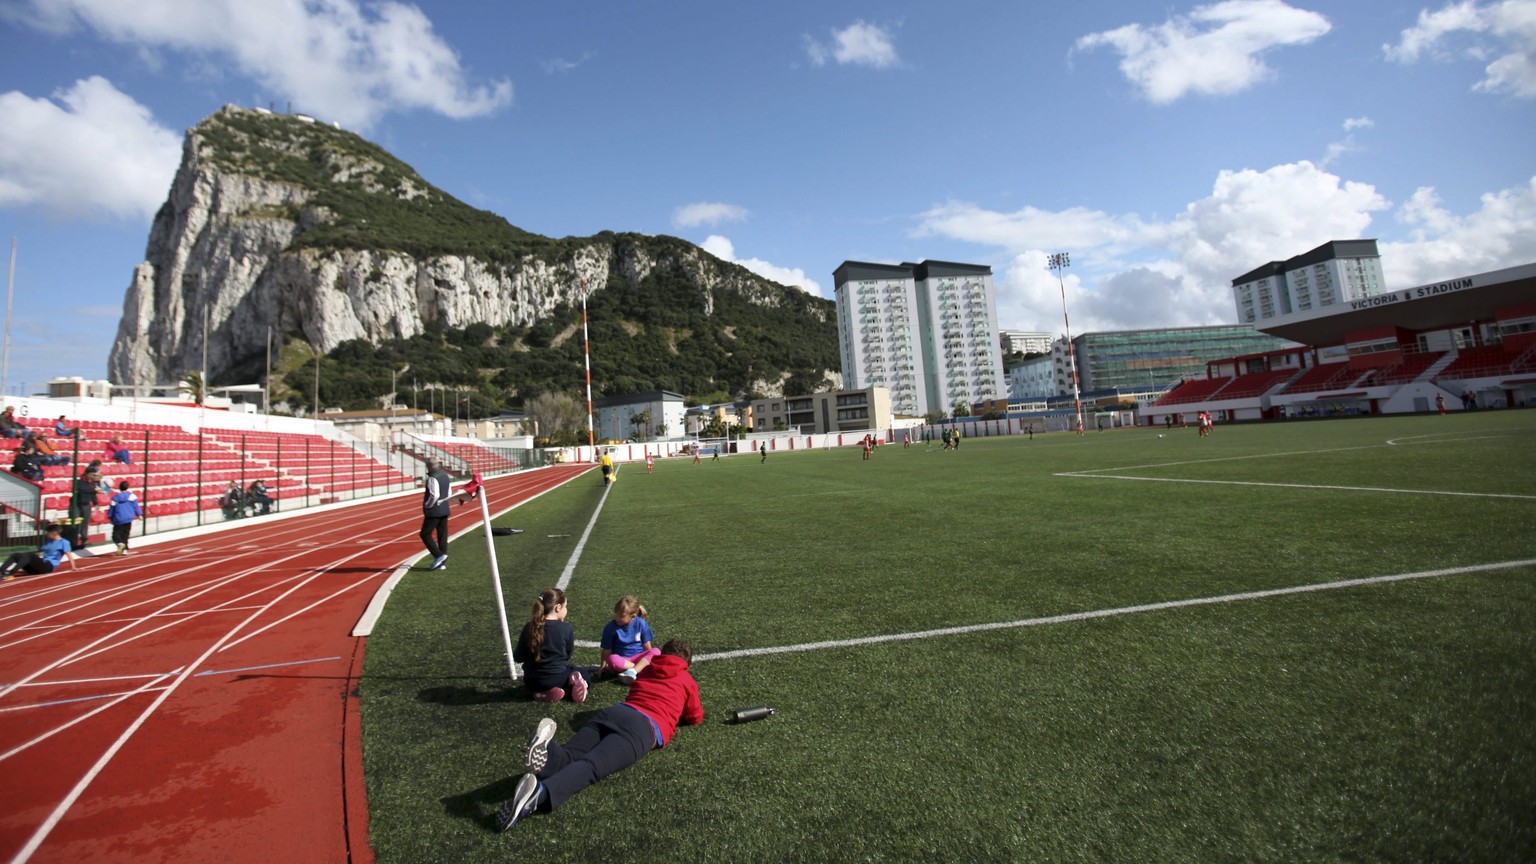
point(1306, 641)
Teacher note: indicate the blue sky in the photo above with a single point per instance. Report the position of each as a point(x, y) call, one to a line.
point(1166, 148)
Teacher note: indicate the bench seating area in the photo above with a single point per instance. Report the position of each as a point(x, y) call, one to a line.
point(1481, 361)
point(1325, 376)
point(176, 472)
point(476, 458)
point(1254, 383)
point(1193, 390)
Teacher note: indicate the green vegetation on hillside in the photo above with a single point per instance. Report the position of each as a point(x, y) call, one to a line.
point(659, 333)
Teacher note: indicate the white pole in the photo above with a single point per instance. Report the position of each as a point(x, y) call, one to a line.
point(501, 604)
point(1058, 262)
point(586, 358)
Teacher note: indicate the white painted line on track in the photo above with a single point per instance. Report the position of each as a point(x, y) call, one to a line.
point(1110, 613)
point(326, 599)
point(148, 687)
point(263, 666)
point(75, 699)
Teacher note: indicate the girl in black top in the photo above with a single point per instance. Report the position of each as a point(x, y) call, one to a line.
point(545, 649)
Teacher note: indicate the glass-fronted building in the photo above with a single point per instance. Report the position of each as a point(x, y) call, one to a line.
point(1138, 359)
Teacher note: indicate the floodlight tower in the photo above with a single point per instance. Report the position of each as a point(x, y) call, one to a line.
point(1059, 262)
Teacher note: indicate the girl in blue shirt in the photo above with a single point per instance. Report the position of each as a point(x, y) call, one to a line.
point(627, 639)
point(48, 556)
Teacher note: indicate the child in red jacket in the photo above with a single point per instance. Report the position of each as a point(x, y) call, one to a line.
point(664, 695)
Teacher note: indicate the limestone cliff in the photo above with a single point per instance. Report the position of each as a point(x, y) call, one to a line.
point(279, 222)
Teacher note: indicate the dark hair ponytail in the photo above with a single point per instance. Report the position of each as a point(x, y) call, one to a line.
point(544, 604)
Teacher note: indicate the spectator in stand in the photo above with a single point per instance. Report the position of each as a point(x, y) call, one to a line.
point(46, 453)
point(10, 427)
point(233, 502)
point(62, 430)
point(117, 451)
point(26, 464)
point(82, 506)
point(49, 555)
point(121, 513)
point(256, 494)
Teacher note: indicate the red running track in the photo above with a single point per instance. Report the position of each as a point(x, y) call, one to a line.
point(196, 700)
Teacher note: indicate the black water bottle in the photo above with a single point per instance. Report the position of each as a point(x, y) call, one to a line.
point(747, 715)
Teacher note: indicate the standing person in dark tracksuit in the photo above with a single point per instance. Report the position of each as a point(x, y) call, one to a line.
point(434, 515)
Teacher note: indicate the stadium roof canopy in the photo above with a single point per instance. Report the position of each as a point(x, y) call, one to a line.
point(1436, 306)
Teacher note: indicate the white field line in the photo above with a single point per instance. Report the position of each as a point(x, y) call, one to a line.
point(570, 566)
point(1110, 613)
point(1319, 486)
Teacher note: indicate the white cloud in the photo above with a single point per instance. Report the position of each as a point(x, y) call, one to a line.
point(1348, 145)
point(562, 65)
point(1506, 28)
point(1215, 50)
point(1128, 272)
point(707, 213)
point(94, 151)
point(332, 59)
point(858, 44)
point(1501, 233)
point(725, 250)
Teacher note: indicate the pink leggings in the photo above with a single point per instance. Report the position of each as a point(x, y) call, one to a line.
point(619, 663)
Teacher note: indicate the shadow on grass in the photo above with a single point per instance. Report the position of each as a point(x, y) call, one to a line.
point(452, 695)
point(479, 805)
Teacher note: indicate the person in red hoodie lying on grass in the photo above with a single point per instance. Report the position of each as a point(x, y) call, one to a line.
point(663, 696)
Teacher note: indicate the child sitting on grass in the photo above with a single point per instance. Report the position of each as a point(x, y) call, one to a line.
point(544, 649)
point(664, 696)
point(626, 643)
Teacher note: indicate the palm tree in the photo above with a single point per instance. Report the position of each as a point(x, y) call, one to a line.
point(193, 381)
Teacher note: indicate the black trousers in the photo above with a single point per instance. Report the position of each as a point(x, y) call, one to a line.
point(31, 562)
point(614, 740)
point(121, 533)
point(434, 534)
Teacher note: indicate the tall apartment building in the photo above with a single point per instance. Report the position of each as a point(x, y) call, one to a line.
point(1026, 342)
point(1341, 271)
point(927, 332)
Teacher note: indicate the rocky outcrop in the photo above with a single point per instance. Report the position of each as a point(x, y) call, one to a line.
point(227, 260)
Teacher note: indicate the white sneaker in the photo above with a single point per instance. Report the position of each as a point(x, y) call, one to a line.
point(521, 804)
point(439, 563)
point(628, 676)
point(538, 746)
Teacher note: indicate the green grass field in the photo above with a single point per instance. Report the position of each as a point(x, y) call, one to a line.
point(1386, 721)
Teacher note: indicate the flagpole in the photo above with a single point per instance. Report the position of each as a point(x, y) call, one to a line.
point(586, 358)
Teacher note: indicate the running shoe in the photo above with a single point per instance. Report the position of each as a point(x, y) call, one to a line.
point(578, 687)
point(538, 746)
point(520, 804)
point(439, 563)
point(628, 676)
point(553, 694)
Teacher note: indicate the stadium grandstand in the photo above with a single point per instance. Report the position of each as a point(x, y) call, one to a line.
point(186, 461)
point(1467, 342)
